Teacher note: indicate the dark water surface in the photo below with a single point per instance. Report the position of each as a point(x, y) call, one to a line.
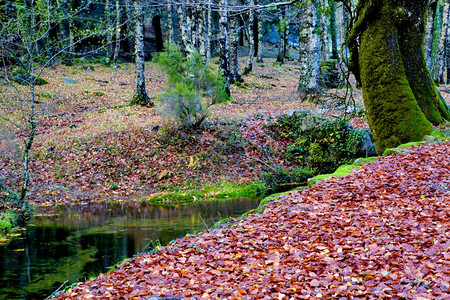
point(85, 241)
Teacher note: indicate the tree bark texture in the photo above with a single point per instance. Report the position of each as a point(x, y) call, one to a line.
point(186, 36)
point(251, 39)
point(429, 33)
point(282, 27)
point(399, 94)
point(140, 94)
point(309, 82)
point(442, 48)
point(117, 31)
point(234, 44)
point(224, 45)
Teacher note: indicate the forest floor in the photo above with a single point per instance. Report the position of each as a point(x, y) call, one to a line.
point(93, 146)
point(380, 233)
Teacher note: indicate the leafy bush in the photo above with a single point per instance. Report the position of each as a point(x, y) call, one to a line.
point(193, 87)
point(320, 144)
point(281, 179)
point(22, 77)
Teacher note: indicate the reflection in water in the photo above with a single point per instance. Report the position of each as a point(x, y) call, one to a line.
point(84, 241)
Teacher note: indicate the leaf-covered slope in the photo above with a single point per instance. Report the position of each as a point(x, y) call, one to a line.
point(381, 232)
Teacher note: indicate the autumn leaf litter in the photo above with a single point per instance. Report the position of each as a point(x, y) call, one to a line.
point(380, 233)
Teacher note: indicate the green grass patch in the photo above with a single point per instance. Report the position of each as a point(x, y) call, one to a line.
point(220, 191)
point(342, 170)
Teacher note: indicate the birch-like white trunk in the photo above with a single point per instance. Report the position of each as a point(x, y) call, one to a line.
point(208, 31)
point(202, 31)
point(234, 43)
point(170, 29)
point(186, 37)
point(251, 39)
point(429, 34)
point(140, 93)
point(224, 45)
point(443, 43)
point(117, 41)
point(259, 55)
point(309, 82)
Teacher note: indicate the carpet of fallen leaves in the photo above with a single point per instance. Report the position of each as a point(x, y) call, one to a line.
point(380, 233)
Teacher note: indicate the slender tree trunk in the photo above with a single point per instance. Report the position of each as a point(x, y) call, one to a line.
point(429, 33)
point(170, 29)
point(442, 49)
point(224, 45)
point(259, 44)
point(255, 33)
point(282, 34)
point(130, 32)
point(109, 26)
point(324, 37)
point(140, 93)
point(309, 82)
point(234, 57)
point(208, 31)
point(202, 32)
point(251, 39)
point(333, 31)
point(117, 41)
point(186, 37)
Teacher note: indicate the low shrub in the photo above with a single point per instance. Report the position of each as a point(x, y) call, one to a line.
point(280, 179)
point(193, 87)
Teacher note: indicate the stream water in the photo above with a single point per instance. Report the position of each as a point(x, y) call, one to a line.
point(81, 242)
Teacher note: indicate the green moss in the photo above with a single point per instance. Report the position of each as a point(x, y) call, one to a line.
point(342, 170)
point(7, 221)
point(22, 77)
point(393, 113)
point(211, 192)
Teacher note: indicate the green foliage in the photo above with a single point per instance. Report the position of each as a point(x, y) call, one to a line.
point(320, 144)
point(219, 191)
point(281, 179)
point(193, 86)
point(23, 77)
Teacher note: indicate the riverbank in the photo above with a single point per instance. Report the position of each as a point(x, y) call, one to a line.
point(380, 232)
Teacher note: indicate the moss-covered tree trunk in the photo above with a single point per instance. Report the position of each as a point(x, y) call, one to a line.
point(399, 95)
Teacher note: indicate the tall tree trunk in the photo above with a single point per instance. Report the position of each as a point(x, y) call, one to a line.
point(259, 44)
point(140, 93)
point(170, 29)
point(399, 94)
point(429, 33)
point(129, 26)
point(255, 33)
point(208, 31)
point(251, 39)
point(333, 31)
point(202, 31)
point(109, 26)
point(117, 41)
point(224, 45)
point(324, 37)
point(282, 34)
point(186, 37)
point(234, 57)
point(309, 82)
point(442, 48)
